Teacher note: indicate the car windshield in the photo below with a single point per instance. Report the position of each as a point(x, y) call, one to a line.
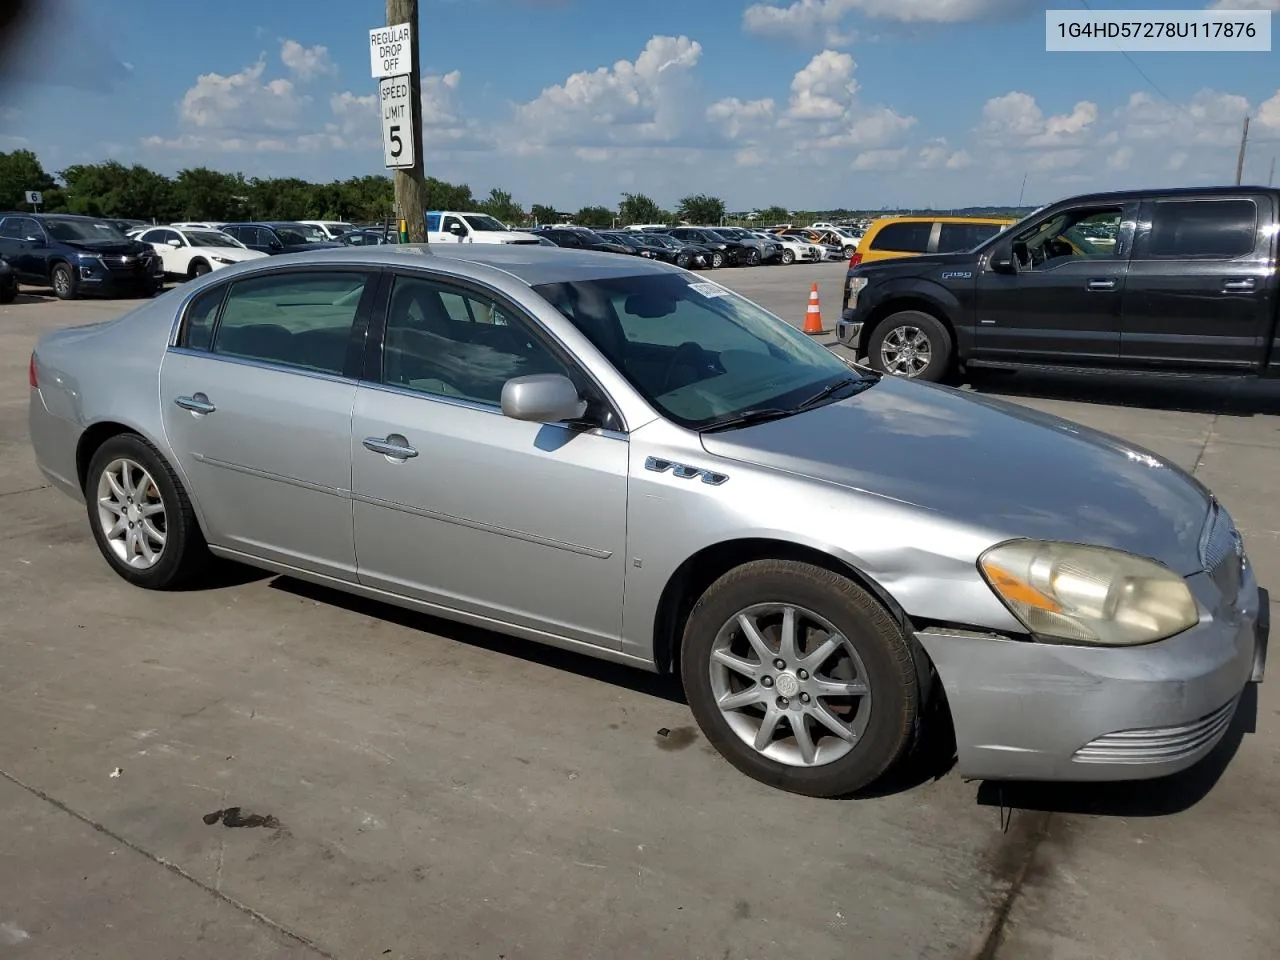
point(210, 238)
point(301, 233)
point(590, 236)
point(697, 351)
point(484, 224)
point(82, 230)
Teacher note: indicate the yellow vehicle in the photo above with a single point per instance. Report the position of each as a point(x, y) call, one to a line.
point(891, 237)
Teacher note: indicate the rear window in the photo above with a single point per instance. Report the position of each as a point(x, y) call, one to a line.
point(1202, 229)
point(960, 237)
point(433, 222)
point(912, 237)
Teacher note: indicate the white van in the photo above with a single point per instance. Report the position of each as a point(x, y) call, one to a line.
point(449, 226)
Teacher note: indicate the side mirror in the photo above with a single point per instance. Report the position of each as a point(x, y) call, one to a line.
point(275, 244)
point(1002, 260)
point(174, 243)
point(542, 397)
point(455, 228)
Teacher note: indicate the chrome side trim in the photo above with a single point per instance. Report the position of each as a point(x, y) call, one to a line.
point(1158, 744)
point(480, 525)
point(263, 365)
point(684, 471)
point(267, 475)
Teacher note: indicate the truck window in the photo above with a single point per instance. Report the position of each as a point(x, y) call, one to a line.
point(904, 237)
point(960, 237)
point(433, 223)
point(451, 222)
point(1085, 233)
point(1202, 229)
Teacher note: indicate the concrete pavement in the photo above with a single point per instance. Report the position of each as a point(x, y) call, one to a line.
point(444, 792)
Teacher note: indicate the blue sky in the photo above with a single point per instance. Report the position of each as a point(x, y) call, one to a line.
point(805, 103)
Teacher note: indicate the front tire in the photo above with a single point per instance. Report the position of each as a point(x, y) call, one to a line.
point(717, 260)
point(753, 257)
point(844, 705)
point(199, 269)
point(913, 345)
point(63, 281)
point(8, 294)
point(141, 516)
point(788, 257)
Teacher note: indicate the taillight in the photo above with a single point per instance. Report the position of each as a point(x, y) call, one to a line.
point(855, 260)
point(31, 373)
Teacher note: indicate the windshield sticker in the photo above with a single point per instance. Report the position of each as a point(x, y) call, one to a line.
point(710, 290)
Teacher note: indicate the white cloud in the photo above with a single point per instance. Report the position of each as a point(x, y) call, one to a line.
point(633, 103)
point(825, 112)
point(242, 102)
point(938, 155)
point(1121, 159)
point(1269, 111)
point(823, 89)
point(9, 114)
point(306, 63)
point(1016, 120)
point(736, 117)
point(880, 159)
point(822, 21)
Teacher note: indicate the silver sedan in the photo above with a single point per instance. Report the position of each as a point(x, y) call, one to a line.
point(614, 456)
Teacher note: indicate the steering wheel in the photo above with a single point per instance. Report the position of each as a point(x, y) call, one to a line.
point(688, 347)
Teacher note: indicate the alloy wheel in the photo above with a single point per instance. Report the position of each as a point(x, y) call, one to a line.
point(790, 685)
point(131, 513)
point(906, 351)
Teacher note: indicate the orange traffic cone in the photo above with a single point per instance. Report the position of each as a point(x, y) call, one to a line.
point(813, 316)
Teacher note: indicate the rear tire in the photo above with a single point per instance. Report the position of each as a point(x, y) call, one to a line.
point(753, 257)
point(200, 268)
point(717, 260)
point(63, 281)
point(8, 294)
point(913, 345)
point(720, 662)
point(141, 517)
point(788, 257)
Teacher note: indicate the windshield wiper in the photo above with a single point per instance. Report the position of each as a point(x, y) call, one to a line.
point(747, 417)
point(832, 388)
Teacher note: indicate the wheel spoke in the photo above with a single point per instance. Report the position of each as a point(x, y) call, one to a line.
point(833, 723)
point(820, 656)
point(743, 698)
point(804, 741)
point(148, 554)
point(116, 488)
point(840, 688)
point(115, 507)
point(151, 531)
point(768, 727)
point(121, 525)
point(787, 648)
point(736, 663)
point(151, 509)
point(753, 637)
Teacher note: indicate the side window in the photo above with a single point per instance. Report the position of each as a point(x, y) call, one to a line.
point(451, 222)
point(448, 343)
point(237, 233)
point(433, 223)
point(1085, 233)
point(960, 237)
point(910, 237)
point(11, 227)
point(197, 325)
point(1202, 229)
point(300, 320)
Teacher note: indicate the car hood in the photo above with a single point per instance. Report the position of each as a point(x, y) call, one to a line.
point(235, 253)
point(117, 247)
point(988, 464)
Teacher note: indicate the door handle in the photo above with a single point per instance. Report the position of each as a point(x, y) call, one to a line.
point(1237, 286)
point(1102, 285)
point(392, 446)
point(196, 403)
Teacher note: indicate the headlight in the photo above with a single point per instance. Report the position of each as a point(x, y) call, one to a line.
point(223, 260)
point(1091, 595)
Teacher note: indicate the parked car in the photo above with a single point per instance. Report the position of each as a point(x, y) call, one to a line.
point(704, 489)
point(723, 252)
point(193, 253)
point(794, 249)
point(125, 226)
point(77, 255)
point(369, 236)
point(893, 237)
point(8, 282)
point(332, 229)
point(580, 238)
point(1187, 286)
point(634, 246)
point(832, 247)
point(451, 226)
point(279, 236)
point(199, 225)
point(690, 256)
point(758, 249)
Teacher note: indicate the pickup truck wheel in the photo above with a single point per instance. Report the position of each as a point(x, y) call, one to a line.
point(788, 256)
point(913, 345)
point(800, 678)
point(64, 282)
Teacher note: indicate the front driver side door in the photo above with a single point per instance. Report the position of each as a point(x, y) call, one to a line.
point(459, 506)
point(1064, 305)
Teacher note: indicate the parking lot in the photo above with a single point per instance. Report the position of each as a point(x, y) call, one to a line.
point(409, 788)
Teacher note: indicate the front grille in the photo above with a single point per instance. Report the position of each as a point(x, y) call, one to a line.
point(1158, 744)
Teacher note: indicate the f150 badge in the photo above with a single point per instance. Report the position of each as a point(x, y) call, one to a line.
point(957, 275)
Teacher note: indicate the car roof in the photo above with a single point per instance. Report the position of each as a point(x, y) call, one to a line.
point(531, 263)
point(940, 219)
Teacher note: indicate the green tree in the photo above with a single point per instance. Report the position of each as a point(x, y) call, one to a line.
point(449, 196)
point(21, 171)
point(594, 217)
point(501, 205)
point(542, 214)
point(701, 209)
point(637, 208)
point(203, 194)
point(113, 190)
point(774, 214)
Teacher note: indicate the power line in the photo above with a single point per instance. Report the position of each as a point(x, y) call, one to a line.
point(1142, 73)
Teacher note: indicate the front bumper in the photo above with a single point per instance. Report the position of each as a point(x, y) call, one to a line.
point(114, 273)
point(848, 332)
point(1041, 711)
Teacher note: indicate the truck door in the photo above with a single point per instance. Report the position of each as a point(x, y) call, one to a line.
point(1200, 292)
point(454, 230)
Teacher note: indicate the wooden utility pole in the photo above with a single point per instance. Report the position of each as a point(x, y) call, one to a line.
point(1272, 175)
point(410, 185)
point(1244, 139)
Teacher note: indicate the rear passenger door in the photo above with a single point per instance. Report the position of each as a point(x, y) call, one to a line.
point(257, 395)
point(1200, 291)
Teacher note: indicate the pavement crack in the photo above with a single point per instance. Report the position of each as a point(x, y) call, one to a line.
point(1018, 855)
point(1208, 439)
point(14, 493)
point(172, 868)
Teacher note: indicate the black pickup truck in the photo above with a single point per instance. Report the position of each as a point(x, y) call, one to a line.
point(1172, 282)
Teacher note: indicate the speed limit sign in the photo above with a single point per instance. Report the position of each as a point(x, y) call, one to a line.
point(397, 122)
